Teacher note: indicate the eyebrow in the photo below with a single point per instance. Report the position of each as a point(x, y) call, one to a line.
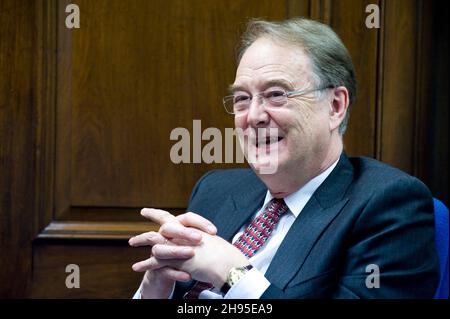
point(275, 82)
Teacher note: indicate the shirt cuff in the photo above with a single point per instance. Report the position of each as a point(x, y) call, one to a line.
point(251, 286)
point(138, 295)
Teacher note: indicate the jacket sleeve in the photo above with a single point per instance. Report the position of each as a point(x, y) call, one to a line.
point(394, 236)
point(182, 287)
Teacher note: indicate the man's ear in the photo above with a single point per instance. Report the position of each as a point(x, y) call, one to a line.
point(338, 107)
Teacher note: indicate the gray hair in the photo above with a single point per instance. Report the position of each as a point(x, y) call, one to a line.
point(331, 61)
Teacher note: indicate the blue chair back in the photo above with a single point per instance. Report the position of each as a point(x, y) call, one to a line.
point(441, 224)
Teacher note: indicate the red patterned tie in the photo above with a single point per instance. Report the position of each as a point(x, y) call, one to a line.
point(253, 238)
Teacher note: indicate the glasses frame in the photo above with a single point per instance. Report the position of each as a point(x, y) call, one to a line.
point(288, 95)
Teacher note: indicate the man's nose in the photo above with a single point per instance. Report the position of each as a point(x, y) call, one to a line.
point(257, 115)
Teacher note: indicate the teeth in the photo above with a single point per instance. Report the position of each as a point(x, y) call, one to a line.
point(268, 140)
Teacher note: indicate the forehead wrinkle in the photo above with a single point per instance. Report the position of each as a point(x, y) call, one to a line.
point(276, 68)
point(287, 80)
point(284, 61)
point(270, 73)
point(296, 73)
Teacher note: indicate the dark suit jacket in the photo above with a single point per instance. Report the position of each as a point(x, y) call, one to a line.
point(364, 213)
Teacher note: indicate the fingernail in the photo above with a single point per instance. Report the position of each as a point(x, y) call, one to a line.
point(212, 229)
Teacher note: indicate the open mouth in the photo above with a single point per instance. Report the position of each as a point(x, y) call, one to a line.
point(268, 140)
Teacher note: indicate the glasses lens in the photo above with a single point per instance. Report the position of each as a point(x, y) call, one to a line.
point(241, 102)
point(228, 103)
point(276, 97)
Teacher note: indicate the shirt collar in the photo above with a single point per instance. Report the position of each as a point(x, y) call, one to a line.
point(297, 200)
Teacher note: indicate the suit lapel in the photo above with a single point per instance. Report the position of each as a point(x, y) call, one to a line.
point(237, 209)
point(319, 212)
point(293, 251)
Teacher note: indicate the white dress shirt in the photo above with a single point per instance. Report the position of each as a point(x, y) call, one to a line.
point(254, 283)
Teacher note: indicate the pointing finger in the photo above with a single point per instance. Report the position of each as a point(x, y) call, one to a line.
point(159, 216)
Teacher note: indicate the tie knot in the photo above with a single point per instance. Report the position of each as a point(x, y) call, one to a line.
point(277, 206)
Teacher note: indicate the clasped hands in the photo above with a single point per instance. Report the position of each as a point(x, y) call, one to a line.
point(185, 247)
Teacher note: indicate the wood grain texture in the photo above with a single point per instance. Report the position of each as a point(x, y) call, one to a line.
point(45, 92)
point(105, 269)
point(399, 84)
point(423, 89)
point(298, 8)
point(17, 140)
point(95, 230)
point(347, 18)
point(320, 10)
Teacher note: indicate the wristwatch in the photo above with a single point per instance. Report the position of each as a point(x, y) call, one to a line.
point(234, 275)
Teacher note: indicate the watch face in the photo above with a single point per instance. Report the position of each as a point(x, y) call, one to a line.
point(236, 274)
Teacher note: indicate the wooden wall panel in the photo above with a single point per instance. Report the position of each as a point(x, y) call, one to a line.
point(347, 18)
point(17, 140)
point(105, 269)
point(398, 92)
point(45, 110)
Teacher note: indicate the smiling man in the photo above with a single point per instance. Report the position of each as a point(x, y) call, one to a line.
point(315, 226)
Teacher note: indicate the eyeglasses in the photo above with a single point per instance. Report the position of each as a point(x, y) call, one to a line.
point(239, 104)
